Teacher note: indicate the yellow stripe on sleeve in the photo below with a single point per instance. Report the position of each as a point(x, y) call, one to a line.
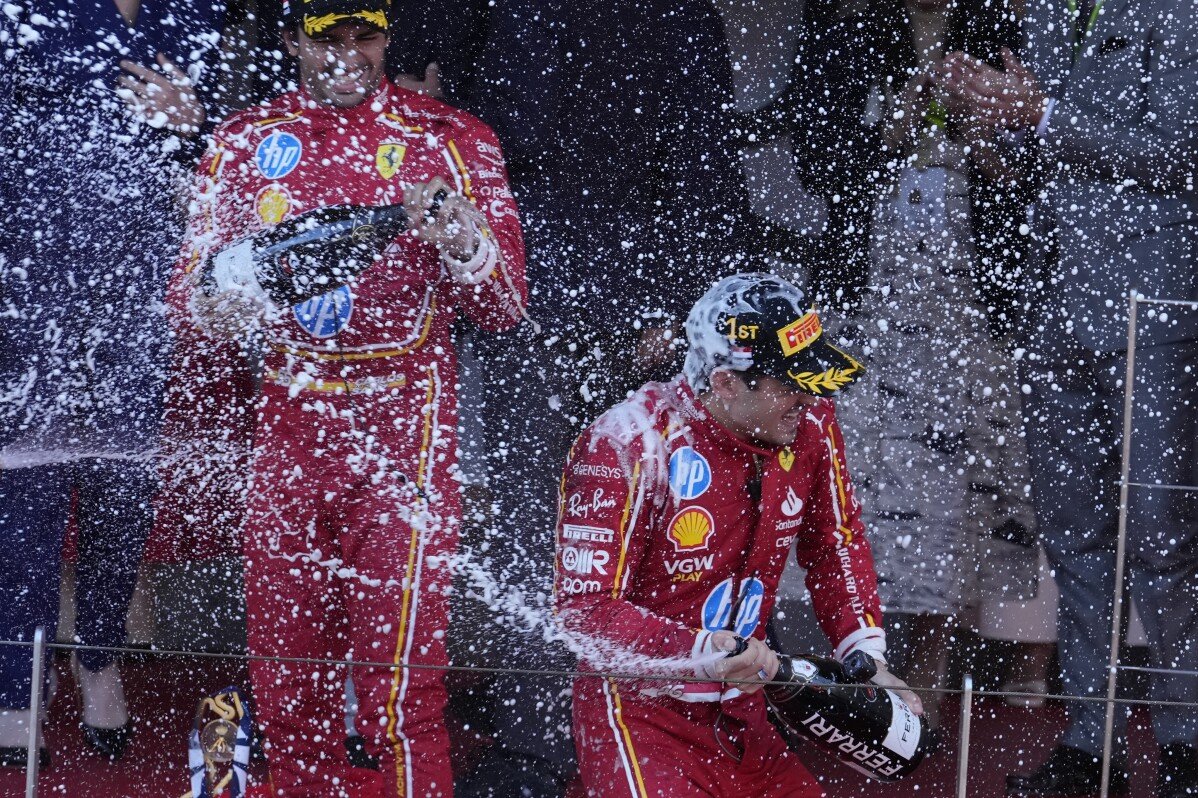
point(633, 484)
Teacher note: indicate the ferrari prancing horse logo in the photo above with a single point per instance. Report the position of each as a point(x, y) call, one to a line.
point(389, 157)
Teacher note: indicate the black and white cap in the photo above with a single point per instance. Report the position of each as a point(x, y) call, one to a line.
point(762, 322)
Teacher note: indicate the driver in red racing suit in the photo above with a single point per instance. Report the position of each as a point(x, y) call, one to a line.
point(678, 511)
point(353, 507)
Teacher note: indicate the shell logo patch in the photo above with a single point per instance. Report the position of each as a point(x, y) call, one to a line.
point(278, 154)
point(800, 333)
point(691, 528)
point(389, 158)
point(273, 204)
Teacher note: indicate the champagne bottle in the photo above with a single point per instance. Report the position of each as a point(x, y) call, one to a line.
point(309, 254)
point(821, 701)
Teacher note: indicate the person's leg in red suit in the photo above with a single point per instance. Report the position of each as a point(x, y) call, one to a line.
point(629, 745)
point(292, 610)
point(347, 554)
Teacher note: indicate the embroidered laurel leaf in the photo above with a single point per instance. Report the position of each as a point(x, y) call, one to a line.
point(817, 383)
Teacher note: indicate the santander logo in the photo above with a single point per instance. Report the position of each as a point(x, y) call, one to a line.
point(793, 505)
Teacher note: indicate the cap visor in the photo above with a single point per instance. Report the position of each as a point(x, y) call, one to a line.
point(821, 369)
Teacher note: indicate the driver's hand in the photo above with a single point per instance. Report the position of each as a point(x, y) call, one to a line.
point(656, 347)
point(164, 97)
point(884, 678)
point(757, 664)
point(447, 224)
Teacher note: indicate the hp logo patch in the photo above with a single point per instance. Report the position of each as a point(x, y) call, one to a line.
point(278, 154)
point(690, 474)
point(718, 606)
point(326, 315)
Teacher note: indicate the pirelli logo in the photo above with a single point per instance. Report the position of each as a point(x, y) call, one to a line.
point(594, 534)
point(800, 333)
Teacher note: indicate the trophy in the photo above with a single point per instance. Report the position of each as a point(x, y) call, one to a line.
point(219, 746)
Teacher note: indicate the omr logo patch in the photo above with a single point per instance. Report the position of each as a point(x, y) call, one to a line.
point(691, 528)
point(326, 315)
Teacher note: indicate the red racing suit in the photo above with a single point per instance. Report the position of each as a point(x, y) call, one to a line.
point(353, 503)
point(658, 523)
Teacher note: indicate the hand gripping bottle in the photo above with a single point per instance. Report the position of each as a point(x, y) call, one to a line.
point(829, 704)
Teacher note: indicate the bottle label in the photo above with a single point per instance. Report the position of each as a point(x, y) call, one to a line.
point(903, 736)
point(803, 669)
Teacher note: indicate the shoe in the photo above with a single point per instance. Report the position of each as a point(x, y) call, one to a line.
point(19, 757)
point(106, 725)
point(14, 740)
point(1177, 776)
point(359, 757)
point(108, 743)
point(1037, 701)
point(1069, 773)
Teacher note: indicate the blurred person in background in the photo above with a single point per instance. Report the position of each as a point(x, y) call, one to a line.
point(103, 118)
point(1098, 112)
point(902, 254)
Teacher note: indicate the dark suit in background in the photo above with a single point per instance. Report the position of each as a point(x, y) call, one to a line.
point(839, 152)
point(1116, 168)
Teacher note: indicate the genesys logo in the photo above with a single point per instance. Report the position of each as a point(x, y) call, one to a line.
point(596, 470)
point(585, 561)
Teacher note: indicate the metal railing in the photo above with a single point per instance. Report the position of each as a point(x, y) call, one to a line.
point(1125, 486)
point(967, 691)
